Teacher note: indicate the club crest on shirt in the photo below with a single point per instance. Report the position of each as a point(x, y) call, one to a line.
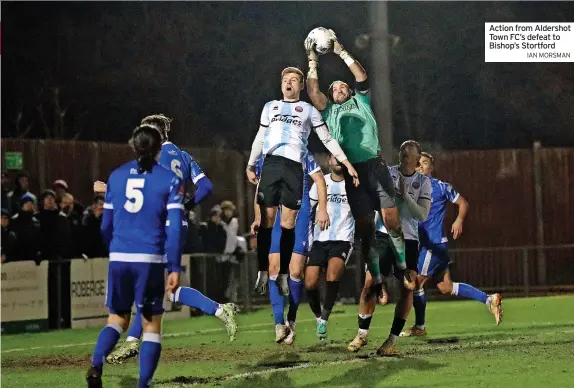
point(416, 185)
point(299, 109)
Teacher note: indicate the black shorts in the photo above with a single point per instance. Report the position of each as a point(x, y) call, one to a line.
point(387, 257)
point(376, 190)
point(281, 183)
point(323, 251)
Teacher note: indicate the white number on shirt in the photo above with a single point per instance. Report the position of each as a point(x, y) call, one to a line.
point(175, 167)
point(134, 195)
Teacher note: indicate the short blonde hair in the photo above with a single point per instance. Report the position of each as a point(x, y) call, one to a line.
point(294, 70)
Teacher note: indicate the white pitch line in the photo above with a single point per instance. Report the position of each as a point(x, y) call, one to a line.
point(419, 349)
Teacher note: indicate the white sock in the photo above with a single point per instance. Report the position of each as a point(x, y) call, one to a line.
point(219, 311)
point(273, 277)
point(420, 327)
point(132, 339)
point(363, 332)
point(393, 338)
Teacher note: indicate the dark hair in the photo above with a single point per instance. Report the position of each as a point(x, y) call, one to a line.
point(146, 143)
point(330, 90)
point(99, 197)
point(161, 121)
point(411, 143)
point(427, 155)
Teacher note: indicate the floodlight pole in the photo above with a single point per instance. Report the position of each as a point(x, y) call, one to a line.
point(380, 77)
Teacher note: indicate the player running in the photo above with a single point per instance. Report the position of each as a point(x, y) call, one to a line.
point(292, 263)
point(352, 123)
point(331, 248)
point(282, 138)
point(433, 258)
point(414, 200)
point(141, 225)
point(183, 165)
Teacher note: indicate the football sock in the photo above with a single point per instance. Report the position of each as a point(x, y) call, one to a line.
point(263, 247)
point(331, 295)
point(364, 322)
point(135, 330)
point(192, 298)
point(286, 248)
point(277, 301)
point(314, 302)
point(398, 240)
point(420, 305)
point(398, 325)
point(295, 291)
point(149, 357)
point(107, 339)
point(467, 291)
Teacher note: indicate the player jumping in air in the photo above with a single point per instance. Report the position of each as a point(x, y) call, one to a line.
point(293, 262)
point(282, 138)
point(331, 248)
point(183, 165)
point(433, 257)
point(351, 121)
point(414, 202)
point(141, 225)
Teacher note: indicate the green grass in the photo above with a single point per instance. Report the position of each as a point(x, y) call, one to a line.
point(533, 347)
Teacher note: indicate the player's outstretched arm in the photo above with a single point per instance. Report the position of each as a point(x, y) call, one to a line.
point(257, 146)
point(318, 99)
point(257, 214)
point(456, 228)
point(358, 71)
point(174, 242)
point(320, 193)
point(107, 227)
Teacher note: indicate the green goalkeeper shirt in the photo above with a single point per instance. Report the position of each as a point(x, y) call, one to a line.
point(354, 127)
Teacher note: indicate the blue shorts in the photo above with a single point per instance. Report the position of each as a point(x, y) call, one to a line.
point(433, 259)
point(139, 283)
point(303, 227)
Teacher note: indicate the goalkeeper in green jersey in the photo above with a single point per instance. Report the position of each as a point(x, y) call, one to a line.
point(352, 123)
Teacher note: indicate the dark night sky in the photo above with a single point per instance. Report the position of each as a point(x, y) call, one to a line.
point(213, 65)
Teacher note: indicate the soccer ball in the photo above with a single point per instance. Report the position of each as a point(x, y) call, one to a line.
point(323, 38)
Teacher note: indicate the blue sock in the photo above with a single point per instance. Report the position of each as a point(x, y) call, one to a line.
point(277, 301)
point(149, 358)
point(107, 339)
point(136, 329)
point(191, 297)
point(295, 291)
point(467, 291)
point(420, 305)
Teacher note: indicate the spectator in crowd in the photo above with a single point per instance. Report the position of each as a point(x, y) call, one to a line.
point(5, 191)
point(60, 187)
point(229, 262)
point(214, 239)
point(27, 230)
point(55, 232)
point(212, 232)
point(75, 222)
point(193, 241)
point(93, 244)
point(8, 241)
point(21, 188)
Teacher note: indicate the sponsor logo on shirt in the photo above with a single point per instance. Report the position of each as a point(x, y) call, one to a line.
point(288, 119)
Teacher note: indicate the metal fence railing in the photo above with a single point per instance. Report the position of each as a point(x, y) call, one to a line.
point(61, 293)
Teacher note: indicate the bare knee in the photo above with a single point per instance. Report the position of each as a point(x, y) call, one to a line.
point(312, 278)
point(295, 269)
point(288, 217)
point(445, 287)
point(391, 219)
point(151, 324)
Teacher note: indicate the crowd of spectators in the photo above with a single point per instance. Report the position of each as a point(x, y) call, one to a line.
point(52, 225)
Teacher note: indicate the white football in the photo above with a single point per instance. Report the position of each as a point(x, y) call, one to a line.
point(323, 38)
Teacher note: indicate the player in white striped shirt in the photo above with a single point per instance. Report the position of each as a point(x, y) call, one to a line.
point(282, 137)
point(331, 247)
point(414, 192)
